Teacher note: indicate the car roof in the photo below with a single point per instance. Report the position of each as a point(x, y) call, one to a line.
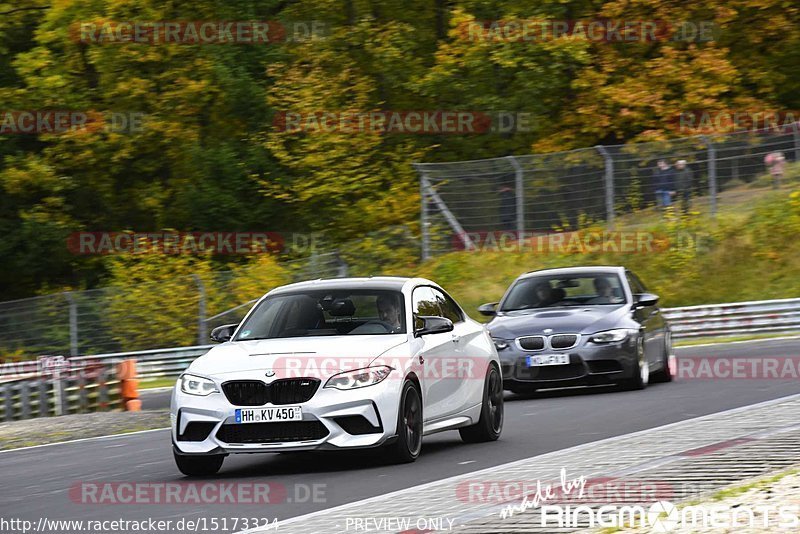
point(566, 271)
point(393, 283)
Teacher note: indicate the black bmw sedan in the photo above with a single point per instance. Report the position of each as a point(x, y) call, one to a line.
point(579, 326)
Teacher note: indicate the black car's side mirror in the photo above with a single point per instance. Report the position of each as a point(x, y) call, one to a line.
point(431, 324)
point(223, 333)
point(488, 309)
point(645, 299)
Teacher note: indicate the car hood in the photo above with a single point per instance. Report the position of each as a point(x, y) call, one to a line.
point(573, 319)
point(301, 356)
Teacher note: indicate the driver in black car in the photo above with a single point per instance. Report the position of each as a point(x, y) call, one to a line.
point(389, 311)
point(546, 295)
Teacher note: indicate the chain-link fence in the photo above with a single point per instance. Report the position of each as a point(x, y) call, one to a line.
point(545, 192)
point(180, 311)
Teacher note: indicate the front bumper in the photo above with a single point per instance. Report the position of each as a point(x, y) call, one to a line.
point(327, 417)
point(589, 364)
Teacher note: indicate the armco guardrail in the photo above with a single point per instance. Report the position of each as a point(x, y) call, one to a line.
point(718, 320)
point(99, 390)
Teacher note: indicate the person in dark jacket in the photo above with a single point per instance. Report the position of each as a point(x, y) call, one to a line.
point(684, 180)
point(665, 184)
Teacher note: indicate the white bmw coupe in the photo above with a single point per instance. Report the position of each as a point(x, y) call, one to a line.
point(339, 364)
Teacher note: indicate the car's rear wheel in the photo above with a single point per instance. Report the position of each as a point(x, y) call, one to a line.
point(408, 444)
point(665, 373)
point(490, 424)
point(641, 371)
point(198, 466)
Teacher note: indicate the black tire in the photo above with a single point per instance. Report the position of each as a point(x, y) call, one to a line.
point(490, 425)
point(641, 372)
point(665, 373)
point(198, 466)
point(408, 444)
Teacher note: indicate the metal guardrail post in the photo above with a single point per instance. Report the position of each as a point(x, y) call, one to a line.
point(609, 185)
point(448, 215)
point(202, 335)
point(712, 174)
point(423, 218)
point(73, 323)
point(520, 195)
point(796, 136)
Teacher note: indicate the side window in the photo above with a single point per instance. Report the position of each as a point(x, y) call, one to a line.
point(639, 283)
point(636, 286)
point(424, 303)
point(449, 308)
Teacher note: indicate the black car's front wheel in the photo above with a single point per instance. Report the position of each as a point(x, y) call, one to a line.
point(641, 369)
point(198, 466)
point(665, 373)
point(490, 424)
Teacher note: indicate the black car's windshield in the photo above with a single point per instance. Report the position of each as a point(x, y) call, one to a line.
point(579, 289)
point(326, 313)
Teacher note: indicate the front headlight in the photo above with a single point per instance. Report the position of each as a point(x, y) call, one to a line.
point(611, 336)
point(500, 344)
point(359, 378)
point(197, 385)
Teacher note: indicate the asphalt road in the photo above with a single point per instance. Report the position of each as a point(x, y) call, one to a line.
point(37, 481)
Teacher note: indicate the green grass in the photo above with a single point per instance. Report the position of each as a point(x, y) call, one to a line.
point(750, 253)
point(730, 339)
point(157, 383)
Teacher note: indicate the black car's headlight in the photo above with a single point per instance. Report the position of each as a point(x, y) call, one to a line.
point(197, 385)
point(501, 344)
point(611, 336)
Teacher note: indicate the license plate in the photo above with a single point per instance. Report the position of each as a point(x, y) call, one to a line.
point(548, 359)
point(269, 415)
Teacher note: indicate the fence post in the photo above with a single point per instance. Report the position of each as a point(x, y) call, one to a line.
point(202, 335)
point(423, 218)
point(796, 135)
point(342, 265)
point(73, 323)
point(712, 174)
point(520, 195)
point(609, 185)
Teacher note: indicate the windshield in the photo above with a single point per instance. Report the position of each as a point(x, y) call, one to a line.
point(326, 313)
point(559, 290)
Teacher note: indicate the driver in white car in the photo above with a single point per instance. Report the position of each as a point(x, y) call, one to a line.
point(389, 311)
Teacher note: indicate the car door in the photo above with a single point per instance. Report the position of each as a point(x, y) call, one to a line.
point(468, 372)
point(438, 352)
point(650, 317)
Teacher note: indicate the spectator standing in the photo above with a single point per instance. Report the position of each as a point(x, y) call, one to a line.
point(664, 176)
point(775, 162)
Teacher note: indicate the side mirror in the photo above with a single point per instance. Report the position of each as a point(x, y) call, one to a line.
point(223, 333)
point(645, 299)
point(488, 309)
point(431, 324)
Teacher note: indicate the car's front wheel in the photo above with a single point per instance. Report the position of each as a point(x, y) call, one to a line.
point(665, 374)
point(490, 424)
point(641, 369)
point(408, 444)
point(198, 466)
